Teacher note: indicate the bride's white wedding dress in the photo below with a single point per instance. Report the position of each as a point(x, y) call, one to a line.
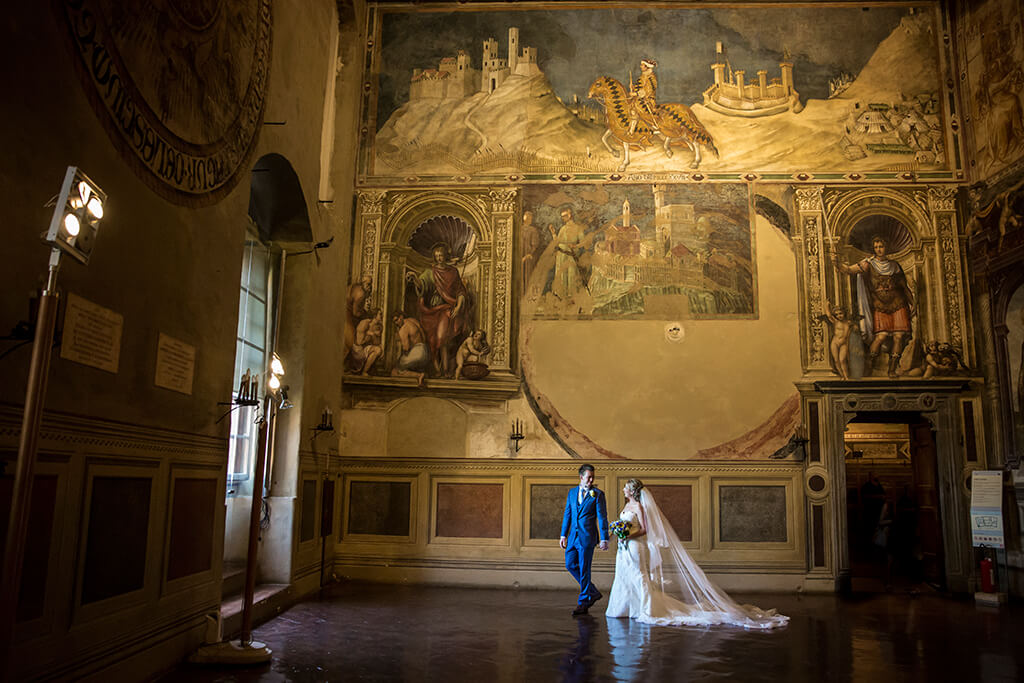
point(656, 581)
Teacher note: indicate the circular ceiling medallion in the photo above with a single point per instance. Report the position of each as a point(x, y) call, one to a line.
point(179, 85)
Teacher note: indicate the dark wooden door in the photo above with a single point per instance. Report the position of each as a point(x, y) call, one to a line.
point(926, 492)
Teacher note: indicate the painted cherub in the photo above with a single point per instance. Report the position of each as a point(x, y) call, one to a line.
point(940, 358)
point(842, 325)
point(472, 350)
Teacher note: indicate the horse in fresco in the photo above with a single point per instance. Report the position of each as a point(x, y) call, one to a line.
point(674, 122)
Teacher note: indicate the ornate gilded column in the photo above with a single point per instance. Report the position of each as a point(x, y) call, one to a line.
point(811, 257)
point(503, 205)
point(371, 218)
point(950, 264)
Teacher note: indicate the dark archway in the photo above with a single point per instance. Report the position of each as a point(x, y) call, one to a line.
point(276, 203)
point(894, 520)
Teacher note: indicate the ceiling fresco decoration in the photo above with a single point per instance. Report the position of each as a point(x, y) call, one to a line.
point(672, 94)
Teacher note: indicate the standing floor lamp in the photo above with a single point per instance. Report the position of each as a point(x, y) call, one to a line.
point(73, 229)
point(245, 650)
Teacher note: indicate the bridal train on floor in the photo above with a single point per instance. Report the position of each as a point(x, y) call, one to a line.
point(656, 581)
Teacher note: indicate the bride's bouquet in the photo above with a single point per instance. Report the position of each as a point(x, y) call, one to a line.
point(620, 528)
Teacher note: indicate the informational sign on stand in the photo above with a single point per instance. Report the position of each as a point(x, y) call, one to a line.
point(987, 508)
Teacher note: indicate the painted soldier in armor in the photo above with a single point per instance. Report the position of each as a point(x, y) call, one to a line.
point(885, 301)
point(643, 96)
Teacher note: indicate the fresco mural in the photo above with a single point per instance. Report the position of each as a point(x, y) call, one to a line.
point(662, 90)
point(993, 35)
point(660, 252)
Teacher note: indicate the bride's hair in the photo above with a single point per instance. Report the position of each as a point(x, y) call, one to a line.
point(634, 486)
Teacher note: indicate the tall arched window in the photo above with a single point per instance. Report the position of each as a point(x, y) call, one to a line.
point(256, 311)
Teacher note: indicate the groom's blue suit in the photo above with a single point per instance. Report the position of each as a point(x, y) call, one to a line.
point(582, 524)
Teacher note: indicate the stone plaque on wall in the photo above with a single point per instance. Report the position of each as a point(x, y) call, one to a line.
point(469, 510)
point(379, 507)
point(752, 514)
point(92, 334)
point(676, 503)
point(547, 505)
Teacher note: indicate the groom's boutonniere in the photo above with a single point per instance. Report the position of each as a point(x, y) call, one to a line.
point(591, 493)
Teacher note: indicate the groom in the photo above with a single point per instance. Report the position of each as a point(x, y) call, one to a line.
point(586, 517)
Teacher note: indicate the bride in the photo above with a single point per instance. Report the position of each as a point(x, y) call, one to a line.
point(656, 581)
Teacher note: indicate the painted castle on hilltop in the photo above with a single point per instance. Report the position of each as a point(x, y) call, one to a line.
point(455, 77)
point(730, 94)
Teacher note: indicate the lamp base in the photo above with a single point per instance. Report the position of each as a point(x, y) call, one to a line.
point(989, 599)
point(232, 653)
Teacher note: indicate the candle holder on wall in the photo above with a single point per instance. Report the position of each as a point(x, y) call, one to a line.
point(516, 435)
point(326, 422)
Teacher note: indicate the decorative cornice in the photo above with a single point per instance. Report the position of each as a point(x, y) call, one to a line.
point(494, 388)
point(74, 431)
point(946, 385)
point(566, 467)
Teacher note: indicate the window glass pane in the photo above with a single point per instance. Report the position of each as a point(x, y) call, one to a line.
point(255, 330)
point(243, 312)
point(254, 311)
point(253, 360)
point(256, 282)
point(242, 446)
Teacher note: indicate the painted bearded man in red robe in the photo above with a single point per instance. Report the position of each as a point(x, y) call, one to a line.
point(443, 307)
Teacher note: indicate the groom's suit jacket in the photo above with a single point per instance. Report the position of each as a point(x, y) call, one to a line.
point(583, 523)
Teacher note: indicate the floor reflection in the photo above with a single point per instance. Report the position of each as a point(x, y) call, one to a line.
point(628, 641)
point(370, 632)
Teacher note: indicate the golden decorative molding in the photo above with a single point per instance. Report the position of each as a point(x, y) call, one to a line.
point(77, 431)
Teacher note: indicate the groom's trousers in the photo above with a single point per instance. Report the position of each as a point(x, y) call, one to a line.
point(578, 561)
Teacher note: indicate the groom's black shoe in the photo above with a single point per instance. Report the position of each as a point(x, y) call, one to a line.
point(581, 609)
point(590, 603)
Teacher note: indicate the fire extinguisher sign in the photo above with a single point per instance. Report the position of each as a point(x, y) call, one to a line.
point(987, 508)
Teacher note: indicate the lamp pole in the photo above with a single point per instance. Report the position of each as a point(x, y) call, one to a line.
point(28, 447)
point(269, 414)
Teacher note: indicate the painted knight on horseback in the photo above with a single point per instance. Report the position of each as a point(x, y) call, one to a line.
point(643, 97)
point(635, 119)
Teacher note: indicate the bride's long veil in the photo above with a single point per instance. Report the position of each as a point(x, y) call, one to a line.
point(674, 572)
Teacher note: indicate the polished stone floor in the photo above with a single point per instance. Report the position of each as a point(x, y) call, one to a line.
point(376, 632)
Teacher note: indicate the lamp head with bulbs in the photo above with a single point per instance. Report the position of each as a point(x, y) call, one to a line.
point(76, 217)
point(274, 383)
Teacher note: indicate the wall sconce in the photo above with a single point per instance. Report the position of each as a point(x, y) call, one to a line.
point(326, 421)
point(516, 435)
point(795, 447)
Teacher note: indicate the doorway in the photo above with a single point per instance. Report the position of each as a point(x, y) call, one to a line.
point(894, 522)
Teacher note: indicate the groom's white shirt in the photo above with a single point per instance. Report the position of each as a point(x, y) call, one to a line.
point(579, 494)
